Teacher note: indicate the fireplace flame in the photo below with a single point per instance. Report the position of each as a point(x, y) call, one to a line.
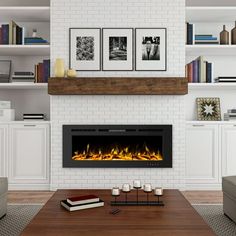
point(117, 153)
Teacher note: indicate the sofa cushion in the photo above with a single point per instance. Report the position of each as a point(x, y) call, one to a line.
point(3, 185)
point(229, 185)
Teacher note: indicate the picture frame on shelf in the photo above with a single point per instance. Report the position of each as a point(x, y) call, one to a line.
point(151, 49)
point(117, 49)
point(85, 49)
point(5, 71)
point(208, 109)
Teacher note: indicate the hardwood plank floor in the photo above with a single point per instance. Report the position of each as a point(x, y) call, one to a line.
point(197, 197)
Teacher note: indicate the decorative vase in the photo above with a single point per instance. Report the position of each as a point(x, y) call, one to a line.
point(233, 35)
point(71, 73)
point(224, 36)
point(59, 68)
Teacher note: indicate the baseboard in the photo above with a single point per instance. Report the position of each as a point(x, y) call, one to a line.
point(29, 187)
point(203, 187)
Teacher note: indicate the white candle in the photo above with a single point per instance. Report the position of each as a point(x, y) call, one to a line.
point(147, 187)
point(126, 188)
point(158, 191)
point(115, 191)
point(137, 184)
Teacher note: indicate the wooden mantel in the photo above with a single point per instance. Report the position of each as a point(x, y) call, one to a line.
point(118, 86)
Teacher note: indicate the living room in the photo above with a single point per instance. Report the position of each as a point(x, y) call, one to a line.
point(125, 107)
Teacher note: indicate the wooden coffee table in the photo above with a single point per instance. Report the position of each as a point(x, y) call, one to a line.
point(176, 218)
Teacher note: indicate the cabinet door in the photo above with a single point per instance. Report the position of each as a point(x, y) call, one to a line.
point(202, 159)
point(228, 149)
point(29, 154)
point(3, 150)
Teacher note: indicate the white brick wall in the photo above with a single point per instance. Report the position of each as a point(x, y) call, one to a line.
point(119, 109)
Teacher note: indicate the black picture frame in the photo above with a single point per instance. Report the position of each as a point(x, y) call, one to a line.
point(99, 45)
point(165, 51)
point(132, 48)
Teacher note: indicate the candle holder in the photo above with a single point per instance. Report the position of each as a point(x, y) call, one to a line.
point(159, 193)
point(115, 192)
point(148, 192)
point(137, 186)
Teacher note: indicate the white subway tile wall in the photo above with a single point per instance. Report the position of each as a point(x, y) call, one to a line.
point(119, 109)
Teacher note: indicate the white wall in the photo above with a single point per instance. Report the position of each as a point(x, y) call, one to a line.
point(119, 109)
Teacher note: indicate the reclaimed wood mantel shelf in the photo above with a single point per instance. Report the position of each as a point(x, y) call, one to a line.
point(118, 86)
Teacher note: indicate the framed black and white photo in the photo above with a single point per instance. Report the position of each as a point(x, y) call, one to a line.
point(117, 49)
point(85, 49)
point(150, 49)
point(5, 71)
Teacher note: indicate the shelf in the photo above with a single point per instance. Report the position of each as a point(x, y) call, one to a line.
point(25, 14)
point(25, 50)
point(118, 86)
point(210, 50)
point(198, 122)
point(211, 86)
point(23, 85)
point(210, 14)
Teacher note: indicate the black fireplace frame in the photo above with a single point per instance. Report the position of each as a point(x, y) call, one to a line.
point(122, 130)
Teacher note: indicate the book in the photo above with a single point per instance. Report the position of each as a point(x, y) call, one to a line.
point(70, 207)
point(5, 34)
point(82, 199)
point(206, 37)
point(189, 33)
point(189, 72)
point(195, 71)
point(12, 32)
point(208, 72)
point(23, 73)
point(0, 35)
point(18, 35)
point(46, 70)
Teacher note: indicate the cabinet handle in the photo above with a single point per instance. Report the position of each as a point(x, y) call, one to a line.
point(198, 125)
point(29, 125)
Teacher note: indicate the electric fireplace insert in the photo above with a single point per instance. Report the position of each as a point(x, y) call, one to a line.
point(117, 146)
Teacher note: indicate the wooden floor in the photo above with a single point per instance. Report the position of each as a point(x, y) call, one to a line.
point(197, 197)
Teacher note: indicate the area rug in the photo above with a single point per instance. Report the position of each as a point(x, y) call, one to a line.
point(17, 218)
point(215, 218)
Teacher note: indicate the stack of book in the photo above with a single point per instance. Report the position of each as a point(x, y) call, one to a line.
point(23, 76)
point(226, 79)
point(42, 72)
point(199, 71)
point(82, 202)
point(190, 32)
point(35, 41)
point(33, 116)
point(230, 115)
point(11, 33)
point(206, 39)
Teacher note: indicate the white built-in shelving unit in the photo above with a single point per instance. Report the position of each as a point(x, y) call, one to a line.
point(30, 14)
point(209, 16)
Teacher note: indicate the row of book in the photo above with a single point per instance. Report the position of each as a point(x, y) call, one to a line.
point(199, 71)
point(34, 117)
point(192, 38)
point(14, 34)
point(42, 72)
point(82, 202)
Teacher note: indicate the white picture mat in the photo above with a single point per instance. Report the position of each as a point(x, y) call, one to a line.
point(85, 65)
point(118, 65)
point(150, 64)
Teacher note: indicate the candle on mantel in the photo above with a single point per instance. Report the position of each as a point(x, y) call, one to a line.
point(115, 191)
point(126, 188)
point(137, 184)
point(158, 191)
point(147, 188)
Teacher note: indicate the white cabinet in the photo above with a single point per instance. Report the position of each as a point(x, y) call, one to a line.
point(29, 154)
point(202, 157)
point(228, 149)
point(3, 150)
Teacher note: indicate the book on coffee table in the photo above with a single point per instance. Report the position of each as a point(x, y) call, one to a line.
point(78, 207)
point(82, 199)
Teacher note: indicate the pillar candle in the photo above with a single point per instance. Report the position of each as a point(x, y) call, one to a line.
point(126, 188)
point(147, 187)
point(137, 184)
point(158, 191)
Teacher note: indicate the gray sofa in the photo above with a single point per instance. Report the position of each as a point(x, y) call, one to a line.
point(229, 196)
point(3, 196)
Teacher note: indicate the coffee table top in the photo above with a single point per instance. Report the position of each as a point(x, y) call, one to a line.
point(176, 218)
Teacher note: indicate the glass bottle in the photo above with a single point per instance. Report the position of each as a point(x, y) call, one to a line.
point(224, 36)
point(233, 35)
